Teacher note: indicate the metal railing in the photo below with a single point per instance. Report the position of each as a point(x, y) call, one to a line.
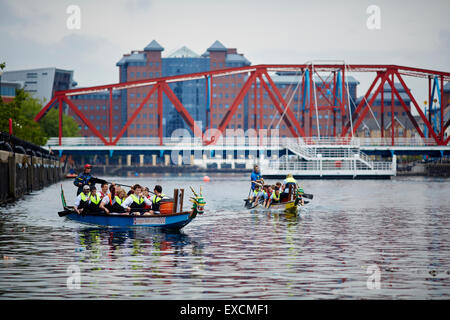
point(317, 165)
point(251, 141)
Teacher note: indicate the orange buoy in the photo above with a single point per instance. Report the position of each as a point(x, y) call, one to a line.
point(206, 179)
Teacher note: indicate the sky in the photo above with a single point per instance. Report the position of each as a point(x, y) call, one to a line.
point(414, 33)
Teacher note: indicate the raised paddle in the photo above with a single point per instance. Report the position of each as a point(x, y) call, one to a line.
point(307, 195)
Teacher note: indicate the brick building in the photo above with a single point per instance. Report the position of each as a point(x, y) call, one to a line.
point(150, 63)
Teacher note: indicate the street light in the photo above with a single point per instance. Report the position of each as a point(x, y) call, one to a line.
point(2, 66)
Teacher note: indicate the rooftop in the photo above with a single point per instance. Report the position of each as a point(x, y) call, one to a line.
point(154, 46)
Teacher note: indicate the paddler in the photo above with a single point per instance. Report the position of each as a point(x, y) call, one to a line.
point(82, 200)
point(275, 197)
point(112, 202)
point(136, 201)
point(94, 203)
point(156, 199)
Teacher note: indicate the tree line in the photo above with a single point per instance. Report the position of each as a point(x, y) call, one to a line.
point(22, 111)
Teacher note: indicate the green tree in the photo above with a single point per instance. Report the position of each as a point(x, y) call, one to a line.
point(23, 109)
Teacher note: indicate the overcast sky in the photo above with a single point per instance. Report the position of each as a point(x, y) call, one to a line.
point(412, 33)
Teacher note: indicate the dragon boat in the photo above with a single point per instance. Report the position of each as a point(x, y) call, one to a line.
point(289, 203)
point(171, 215)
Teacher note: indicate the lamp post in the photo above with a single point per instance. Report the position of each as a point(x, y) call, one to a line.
point(2, 66)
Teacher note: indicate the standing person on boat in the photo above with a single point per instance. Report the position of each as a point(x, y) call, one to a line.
point(86, 178)
point(136, 200)
point(82, 200)
point(156, 199)
point(256, 177)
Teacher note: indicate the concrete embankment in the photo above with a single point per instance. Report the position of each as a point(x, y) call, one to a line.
point(431, 169)
point(25, 168)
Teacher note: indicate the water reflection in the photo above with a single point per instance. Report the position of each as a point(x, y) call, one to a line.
point(323, 251)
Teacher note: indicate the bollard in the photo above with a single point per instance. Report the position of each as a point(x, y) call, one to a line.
point(12, 176)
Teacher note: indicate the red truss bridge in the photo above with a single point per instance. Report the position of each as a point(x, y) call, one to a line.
point(332, 93)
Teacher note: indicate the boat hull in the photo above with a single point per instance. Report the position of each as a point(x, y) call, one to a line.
point(173, 221)
point(278, 207)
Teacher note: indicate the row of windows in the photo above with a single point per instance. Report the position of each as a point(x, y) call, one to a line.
point(96, 107)
point(144, 74)
point(97, 127)
point(94, 97)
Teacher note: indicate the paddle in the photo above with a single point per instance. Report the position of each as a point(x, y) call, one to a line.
point(307, 195)
point(125, 185)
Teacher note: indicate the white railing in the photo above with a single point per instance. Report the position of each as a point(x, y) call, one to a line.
point(313, 165)
point(250, 141)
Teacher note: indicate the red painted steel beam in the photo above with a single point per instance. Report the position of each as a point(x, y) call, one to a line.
point(360, 106)
point(181, 110)
point(403, 104)
point(222, 72)
point(84, 119)
point(442, 109)
point(133, 117)
point(290, 114)
point(160, 113)
point(110, 115)
point(45, 108)
point(413, 100)
point(60, 121)
point(392, 113)
point(226, 119)
point(370, 102)
point(290, 118)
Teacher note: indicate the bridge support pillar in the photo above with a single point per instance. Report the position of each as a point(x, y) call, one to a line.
point(166, 159)
point(154, 159)
point(180, 160)
point(107, 160)
point(119, 160)
point(141, 160)
point(129, 160)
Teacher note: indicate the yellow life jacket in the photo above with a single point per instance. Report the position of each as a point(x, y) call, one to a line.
point(137, 200)
point(118, 200)
point(275, 196)
point(85, 197)
point(157, 199)
point(290, 180)
point(96, 199)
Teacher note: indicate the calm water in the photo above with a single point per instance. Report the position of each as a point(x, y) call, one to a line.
point(401, 227)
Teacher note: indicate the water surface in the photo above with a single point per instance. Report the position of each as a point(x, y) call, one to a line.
point(398, 227)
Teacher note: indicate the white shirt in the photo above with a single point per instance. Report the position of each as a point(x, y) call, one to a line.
point(78, 199)
point(105, 200)
point(128, 201)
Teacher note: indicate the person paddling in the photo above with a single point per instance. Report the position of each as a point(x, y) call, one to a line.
point(156, 199)
point(136, 200)
point(82, 200)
